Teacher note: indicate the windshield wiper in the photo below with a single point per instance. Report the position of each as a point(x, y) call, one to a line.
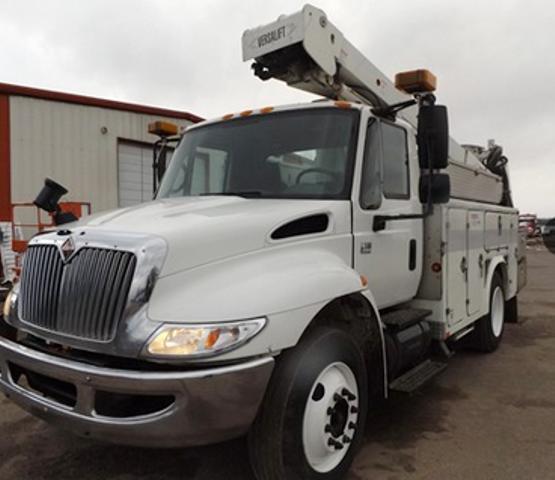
point(238, 193)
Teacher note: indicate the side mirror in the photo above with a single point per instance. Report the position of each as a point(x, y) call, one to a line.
point(438, 186)
point(433, 137)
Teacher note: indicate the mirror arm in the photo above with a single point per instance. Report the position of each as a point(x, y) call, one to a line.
point(158, 151)
point(390, 111)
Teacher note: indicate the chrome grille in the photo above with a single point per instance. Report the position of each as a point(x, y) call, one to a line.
point(83, 298)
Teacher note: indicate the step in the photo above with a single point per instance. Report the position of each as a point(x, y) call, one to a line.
point(418, 376)
point(402, 318)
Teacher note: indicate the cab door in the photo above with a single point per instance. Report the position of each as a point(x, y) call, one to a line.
point(387, 184)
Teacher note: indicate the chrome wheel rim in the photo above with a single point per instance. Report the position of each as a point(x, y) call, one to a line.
point(330, 417)
point(497, 311)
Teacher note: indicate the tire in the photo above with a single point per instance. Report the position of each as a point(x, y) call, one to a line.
point(489, 329)
point(511, 310)
point(306, 406)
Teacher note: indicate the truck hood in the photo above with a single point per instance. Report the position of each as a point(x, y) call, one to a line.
point(202, 230)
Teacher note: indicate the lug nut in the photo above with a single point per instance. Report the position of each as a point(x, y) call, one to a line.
point(346, 439)
point(352, 426)
point(354, 409)
point(327, 428)
point(337, 397)
point(335, 444)
point(329, 411)
point(348, 394)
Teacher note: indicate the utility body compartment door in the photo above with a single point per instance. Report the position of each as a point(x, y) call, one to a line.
point(457, 265)
point(476, 261)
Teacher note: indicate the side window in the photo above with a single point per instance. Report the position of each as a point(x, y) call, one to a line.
point(395, 162)
point(370, 192)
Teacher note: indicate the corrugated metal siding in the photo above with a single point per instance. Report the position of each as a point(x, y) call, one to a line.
point(7, 256)
point(65, 142)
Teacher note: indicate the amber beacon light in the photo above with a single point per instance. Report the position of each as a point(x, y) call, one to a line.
point(416, 81)
point(163, 129)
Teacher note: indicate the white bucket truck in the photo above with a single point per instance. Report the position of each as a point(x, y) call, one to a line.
point(297, 264)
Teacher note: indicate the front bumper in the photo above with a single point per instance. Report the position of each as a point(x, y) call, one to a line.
point(209, 405)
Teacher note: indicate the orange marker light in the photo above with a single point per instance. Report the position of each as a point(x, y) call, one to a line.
point(212, 338)
point(246, 113)
point(228, 116)
point(343, 104)
point(364, 280)
point(266, 109)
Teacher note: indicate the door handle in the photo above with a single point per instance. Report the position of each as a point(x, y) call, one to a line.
point(412, 254)
point(464, 265)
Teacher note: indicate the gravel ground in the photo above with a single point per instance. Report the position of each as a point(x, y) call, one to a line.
point(486, 417)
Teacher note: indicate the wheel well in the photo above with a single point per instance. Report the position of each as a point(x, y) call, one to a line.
point(355, 314)
point(501, 270)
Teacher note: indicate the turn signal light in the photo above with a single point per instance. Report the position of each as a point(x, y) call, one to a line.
point(416, 81)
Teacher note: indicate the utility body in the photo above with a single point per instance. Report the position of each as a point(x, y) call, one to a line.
point(297, 264)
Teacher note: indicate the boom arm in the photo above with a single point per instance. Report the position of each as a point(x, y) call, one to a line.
point(306, 51)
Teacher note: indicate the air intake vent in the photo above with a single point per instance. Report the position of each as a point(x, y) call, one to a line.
point(302, 226)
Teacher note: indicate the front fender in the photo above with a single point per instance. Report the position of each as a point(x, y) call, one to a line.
point(287, 287)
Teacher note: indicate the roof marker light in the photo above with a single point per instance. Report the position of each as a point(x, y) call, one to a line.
point(343, 104)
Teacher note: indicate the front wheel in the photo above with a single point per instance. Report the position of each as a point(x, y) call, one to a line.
point(312, 418)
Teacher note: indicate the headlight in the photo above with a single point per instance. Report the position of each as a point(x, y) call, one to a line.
point(10, 300)
point(202, 340)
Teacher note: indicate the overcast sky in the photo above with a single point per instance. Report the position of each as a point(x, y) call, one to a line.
point(495, 61)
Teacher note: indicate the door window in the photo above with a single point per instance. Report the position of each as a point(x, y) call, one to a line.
point(395, 162)
point(371, 193)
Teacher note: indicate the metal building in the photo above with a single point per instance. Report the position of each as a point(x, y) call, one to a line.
point(95, 147)
point(99, 149)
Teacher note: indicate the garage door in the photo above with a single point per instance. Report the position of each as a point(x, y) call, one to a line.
point(134, 173)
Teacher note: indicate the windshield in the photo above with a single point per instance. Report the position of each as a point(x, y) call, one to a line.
point(300, 154)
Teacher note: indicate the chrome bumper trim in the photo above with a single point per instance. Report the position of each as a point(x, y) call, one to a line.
point(211, 405)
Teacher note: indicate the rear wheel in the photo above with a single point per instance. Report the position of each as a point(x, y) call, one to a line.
point(312, 419)
point(489, 329)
